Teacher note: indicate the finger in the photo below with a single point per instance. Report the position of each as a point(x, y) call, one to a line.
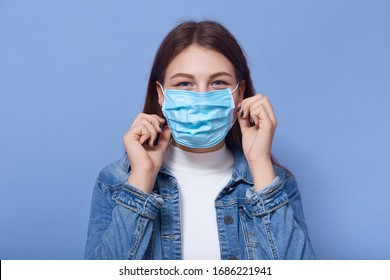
point(244, 124)
point(247, 107)
point(165, 139)
point(264, 119)
point(268, 107)
point(254, 113)
point(143, 115)
point(247, 103)
point(155, 120)
point(253, 105)
point(144, 132)
point(254, 116)
point(135, 136)
point(152, 131)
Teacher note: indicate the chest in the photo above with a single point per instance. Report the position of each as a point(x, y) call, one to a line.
point(234, 225)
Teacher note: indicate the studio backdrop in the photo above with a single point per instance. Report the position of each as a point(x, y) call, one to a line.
point(73, 76)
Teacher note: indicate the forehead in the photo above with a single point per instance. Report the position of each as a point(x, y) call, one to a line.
point(199, 61)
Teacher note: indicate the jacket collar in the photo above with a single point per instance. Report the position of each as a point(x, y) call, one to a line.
point(241, 170)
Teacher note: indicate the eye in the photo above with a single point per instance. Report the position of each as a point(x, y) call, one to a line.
point(219, 84)
point(183, 84)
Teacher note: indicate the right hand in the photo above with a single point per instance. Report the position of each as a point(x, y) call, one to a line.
point(146, 158)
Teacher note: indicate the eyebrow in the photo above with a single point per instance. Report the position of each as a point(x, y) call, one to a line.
point(220, 74)
point(182, 75)
point(185, 75)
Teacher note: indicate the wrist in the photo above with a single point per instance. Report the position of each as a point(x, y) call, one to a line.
point(263, 173)
point(142, 180)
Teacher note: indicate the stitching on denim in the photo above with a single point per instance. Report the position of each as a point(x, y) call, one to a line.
point(133, 190)
point(106, 187)
point(271, 241)
point(138, 233)
point(150, 248)
point(268, 211)
point(127, 206)
point(277, 206)
point(103, 189)
point(245, 229)
point(274, 190)
point(145, 205)
point(172, 236)
point(232, 202)
point(169, 196)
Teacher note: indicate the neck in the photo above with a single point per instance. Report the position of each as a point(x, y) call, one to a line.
point(199, 150)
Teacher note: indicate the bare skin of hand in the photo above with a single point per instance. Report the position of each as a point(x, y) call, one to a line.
point(258, 124)
point(146, 142)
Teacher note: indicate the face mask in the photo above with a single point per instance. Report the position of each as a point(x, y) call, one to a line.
point(198, 120)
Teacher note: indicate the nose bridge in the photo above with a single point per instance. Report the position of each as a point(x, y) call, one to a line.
point(201, 84)
point(203, 87)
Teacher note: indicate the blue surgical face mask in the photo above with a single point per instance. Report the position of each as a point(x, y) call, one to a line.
point(198, 120)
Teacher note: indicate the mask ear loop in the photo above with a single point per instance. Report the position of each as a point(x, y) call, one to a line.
point(235, 88)
point(162, 88)
point(235, 119)
point(163, 91)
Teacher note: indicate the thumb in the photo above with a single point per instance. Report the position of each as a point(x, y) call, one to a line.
point(165, 139)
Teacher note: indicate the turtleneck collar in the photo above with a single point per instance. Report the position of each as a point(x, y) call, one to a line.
point(178, 159)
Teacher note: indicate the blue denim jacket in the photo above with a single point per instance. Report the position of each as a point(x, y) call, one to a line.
point(127, 223)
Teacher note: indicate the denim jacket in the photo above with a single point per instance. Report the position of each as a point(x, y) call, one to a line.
point(127, 223)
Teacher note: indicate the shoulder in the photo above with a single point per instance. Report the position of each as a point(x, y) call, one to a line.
point(114, 173)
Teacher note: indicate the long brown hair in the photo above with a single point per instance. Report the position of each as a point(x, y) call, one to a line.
point(207, 34)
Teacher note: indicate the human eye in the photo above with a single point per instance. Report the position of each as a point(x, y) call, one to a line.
point(183, 85)
point(219, 84)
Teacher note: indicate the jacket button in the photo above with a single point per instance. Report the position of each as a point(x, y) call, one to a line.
point(232, 258)
point(228, 219)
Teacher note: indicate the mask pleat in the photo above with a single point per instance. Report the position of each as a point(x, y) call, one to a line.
point(198, 120)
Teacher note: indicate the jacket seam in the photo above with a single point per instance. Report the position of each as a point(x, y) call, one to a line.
point(270, 239)
point(139, 232)
point(103, 188)
point(274, 190)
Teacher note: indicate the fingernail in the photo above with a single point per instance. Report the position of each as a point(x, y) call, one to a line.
point(239, 109)
point(156, 140)
point(242, 114)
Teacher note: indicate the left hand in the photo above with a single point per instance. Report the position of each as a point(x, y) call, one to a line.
point(258, 124)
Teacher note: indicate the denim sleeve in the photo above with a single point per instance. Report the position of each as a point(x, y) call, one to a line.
point(279, 221)
point(121, 222)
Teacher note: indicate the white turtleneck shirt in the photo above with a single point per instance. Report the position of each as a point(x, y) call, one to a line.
point(200, 177)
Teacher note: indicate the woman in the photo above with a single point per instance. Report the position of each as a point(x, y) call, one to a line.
point(198, 180)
